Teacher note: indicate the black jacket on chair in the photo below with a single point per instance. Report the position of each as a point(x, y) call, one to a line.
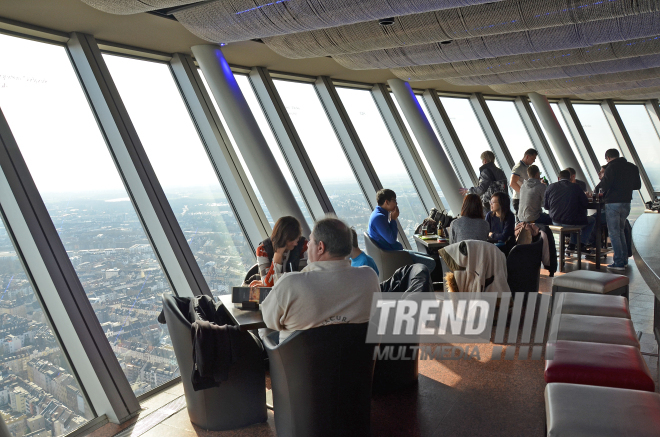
point(241, 399)
point(410, 279)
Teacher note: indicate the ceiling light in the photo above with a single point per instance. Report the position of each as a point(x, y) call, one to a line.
point(386, 21)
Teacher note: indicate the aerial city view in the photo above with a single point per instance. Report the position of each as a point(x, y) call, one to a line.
point(124, 283)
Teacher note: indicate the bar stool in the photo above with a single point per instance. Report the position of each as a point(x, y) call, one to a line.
point(568, 231)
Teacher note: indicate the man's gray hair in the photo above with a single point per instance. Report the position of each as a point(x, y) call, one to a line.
point(335, 234)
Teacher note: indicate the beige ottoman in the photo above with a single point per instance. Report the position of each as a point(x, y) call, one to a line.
point(573, 410)
point(593, 305)
point(584, 281)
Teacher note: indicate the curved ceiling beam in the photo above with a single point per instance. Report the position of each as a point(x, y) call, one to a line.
point(610, 88)
point(651, 69)
point(532, 61)
point(127, 7)
point(541, 40)
point(481, 20)
point(637, 93)
point(239, 20)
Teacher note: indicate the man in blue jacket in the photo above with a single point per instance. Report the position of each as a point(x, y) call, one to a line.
point(383, 228)
point(567, 205)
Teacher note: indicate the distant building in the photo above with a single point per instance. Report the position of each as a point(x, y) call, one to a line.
point(111, 273)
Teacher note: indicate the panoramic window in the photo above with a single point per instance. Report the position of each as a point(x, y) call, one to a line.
point(513, 130)
point(326, 154)
point(601, 139)
point(384, 156)
point(452, 159)
point(70, 163)
point(28, 384)
point(419, 149)
point(184, 170)
point(645, 138)
point(467, 128)
point(253, 102)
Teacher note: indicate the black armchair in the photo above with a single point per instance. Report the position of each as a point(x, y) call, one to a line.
point(393, 375)
point(321, 381)
point(241, 400)
point(523, 267)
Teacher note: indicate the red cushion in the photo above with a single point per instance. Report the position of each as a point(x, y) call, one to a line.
point(607, 365)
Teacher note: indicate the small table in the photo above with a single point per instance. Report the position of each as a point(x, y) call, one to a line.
point(246, 320)
point(429, 246)
point(598, 207)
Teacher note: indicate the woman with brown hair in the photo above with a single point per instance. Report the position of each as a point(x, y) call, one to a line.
point(471, 225)
point(285, 251)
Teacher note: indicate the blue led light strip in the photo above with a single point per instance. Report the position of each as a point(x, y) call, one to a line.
point(259, 7)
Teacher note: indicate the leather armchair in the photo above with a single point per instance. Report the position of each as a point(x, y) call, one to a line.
point(523, 267)
point(241, 400)
point(321, 380)
point(388, 261)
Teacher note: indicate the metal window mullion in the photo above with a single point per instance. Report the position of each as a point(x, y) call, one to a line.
point(492, 132)
point(537, 137)
point(304, 174)
point(233, 179)
point(352, 146)
point(580, 138)
point(407, 151)
point(450, 138)
point(654, 114)
point(58, 287)
point(142, 186)
point(626, 145)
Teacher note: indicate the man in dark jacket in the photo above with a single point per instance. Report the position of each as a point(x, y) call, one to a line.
point(491, 180)
point(619, 181)
point(567, 205)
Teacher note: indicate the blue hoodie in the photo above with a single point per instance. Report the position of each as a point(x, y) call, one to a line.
point(383, 231)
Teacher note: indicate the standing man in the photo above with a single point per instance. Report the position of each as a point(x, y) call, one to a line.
point(619, 181)
point(532, 194)
point(491, 180)
point(383, 228)
point(581, 184)
point(567, 205)
point(519, 175)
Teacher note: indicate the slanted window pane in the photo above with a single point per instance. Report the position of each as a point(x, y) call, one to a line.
point(645, 139)
point(238, 152)
point(569, 137)
point(467, 128)
point(69, 161)
point(184, 171)
point(419, 149)
point(601, 139)
point(326, 154)
point(253, 102)
point(384, 156)
point(28, 386)
point(513, 130)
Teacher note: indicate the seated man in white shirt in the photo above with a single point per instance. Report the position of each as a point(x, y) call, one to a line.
point(327, 291)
